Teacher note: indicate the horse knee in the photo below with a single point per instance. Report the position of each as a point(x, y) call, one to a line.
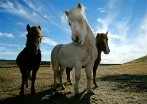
point(88, 77)
point(77, 77)
point(88, 73)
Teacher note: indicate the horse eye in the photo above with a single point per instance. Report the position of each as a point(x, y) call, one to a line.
point(69, 24)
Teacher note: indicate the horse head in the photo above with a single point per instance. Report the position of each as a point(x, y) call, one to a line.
point(102, 42)
point(34, 37)
point(76, 19)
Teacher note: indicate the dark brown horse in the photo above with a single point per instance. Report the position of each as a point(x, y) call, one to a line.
point(102, 46)
point(30, 57)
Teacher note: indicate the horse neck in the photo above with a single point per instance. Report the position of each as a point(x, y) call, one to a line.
point(90, 41)
point(99, 54)
point(90, 37)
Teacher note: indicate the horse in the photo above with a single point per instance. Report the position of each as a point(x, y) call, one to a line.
point(30, 57)
point(102, 46)
point(80, 52)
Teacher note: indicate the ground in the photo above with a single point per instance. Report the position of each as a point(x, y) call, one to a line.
point(117, 84)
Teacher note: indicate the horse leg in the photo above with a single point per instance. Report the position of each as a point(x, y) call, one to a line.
point(88, 69)
point(28, 76)
point(33, 81)
point(68, 70)
point(24, 77)
point(96, 63)
point(60, 76)
point(77, 78)
point(55, 69)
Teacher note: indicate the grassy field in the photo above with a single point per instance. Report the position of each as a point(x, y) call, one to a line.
point(117, 84)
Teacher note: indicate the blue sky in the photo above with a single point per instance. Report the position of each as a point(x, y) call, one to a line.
point(125, 20)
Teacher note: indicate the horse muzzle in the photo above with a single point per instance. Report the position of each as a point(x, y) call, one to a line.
point(77, 40)
point(107, 51)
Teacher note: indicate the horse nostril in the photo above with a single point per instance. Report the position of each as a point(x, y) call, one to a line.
point(77, 39)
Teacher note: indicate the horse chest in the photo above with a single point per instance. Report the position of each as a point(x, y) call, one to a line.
point(25, 60)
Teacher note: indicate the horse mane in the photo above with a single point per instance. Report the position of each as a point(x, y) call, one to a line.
point(36, 31)
point(91, 39)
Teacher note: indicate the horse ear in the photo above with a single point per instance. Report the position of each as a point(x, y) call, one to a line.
point(107, 33)
point(79, 6)
point(66, 12)
point(28, 27)
point(97, 35)
point(39, 27)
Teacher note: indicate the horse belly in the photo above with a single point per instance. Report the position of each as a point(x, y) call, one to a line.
point(66, 60)
point(86, 60)
point(66, 57)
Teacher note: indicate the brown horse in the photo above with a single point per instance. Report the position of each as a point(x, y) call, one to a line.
point(102, 46)
point(30, 57)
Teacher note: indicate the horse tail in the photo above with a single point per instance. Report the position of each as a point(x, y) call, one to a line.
point(54, 53)
point(54, 60)
point(58, 73)
point(54, 57)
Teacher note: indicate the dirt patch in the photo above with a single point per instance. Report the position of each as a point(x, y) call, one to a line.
point(117, 84)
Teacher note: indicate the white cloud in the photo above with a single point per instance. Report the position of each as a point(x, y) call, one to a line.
point(113, 3)
point(20, 11)
point(36, 7)
point(63, 18)
point(21, 24)
point(49, 41)
point(122, 54)
point(10, 45)
point(7, 5)
point(6, 53)
point(143, 26)
point(128, 51)
point(126, 48)
point(101, 10)
point(8, 35)
point(46, 17)
point(46, 54)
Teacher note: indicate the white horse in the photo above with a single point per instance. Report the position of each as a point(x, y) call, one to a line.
point(81, 52)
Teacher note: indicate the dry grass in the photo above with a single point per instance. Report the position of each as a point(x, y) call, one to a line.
point(118, 84)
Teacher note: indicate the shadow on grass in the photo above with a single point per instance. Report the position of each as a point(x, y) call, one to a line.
point(126, 82)
point(50, 96)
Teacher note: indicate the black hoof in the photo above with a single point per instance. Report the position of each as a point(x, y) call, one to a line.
point(21, 93)
point(95, 84)
point(91, 93)
point(70, 83)
point(32, 91)
point(62, 87)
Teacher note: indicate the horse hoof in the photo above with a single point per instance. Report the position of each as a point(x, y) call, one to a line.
point(57, 85)
point(21, 93)
point(70, 83)
point(96, 86)
point(62, 87)
point(77, 94)
point(32, 91)
point(90, 92)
